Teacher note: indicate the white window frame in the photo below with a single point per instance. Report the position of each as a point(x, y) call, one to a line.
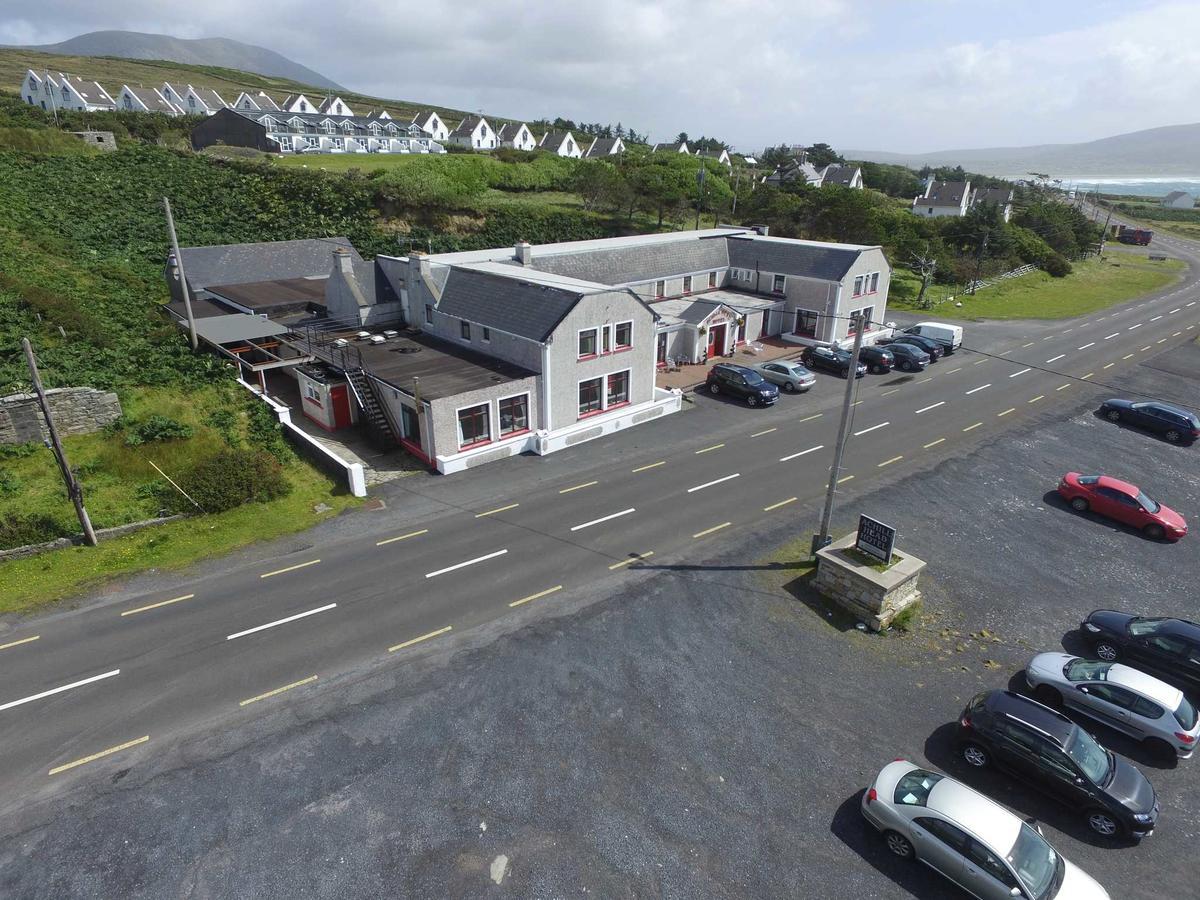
point(528, 411)
point(777, 278)
point(712, 279)
point(458, 425)
point(660, 289)
point(616, 347)
point(486, 334)
point(859, 281)
point(464, 330)
point(874, 288)
point(603, 392)
point(628, 373)
point(687, 284)
point(579, 354)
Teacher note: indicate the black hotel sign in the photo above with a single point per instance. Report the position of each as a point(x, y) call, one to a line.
point(875, 538)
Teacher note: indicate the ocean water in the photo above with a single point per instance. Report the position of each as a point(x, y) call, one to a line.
point(1141, 186)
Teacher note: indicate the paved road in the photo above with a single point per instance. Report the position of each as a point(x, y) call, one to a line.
point(89, 692)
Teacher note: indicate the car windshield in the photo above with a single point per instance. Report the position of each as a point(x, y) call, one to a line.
point(753, 378)
point(1038, 867)
point(1139, 627)
point(1086, 670)
point(913, 789)
point(1148, 504)
point(1088, 479)
point(1185, 714)
point(1089, 756)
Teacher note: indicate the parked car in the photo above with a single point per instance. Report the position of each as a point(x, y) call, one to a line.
point(935, 349)
point(831, 359)
point(972, 840)
point(1130, 701)
point(909, 357)
point(1052, 754)
point(1124, 502)
point(1168, 647)
point(1171, 422)
point(877, 359)
point(949, 336)
point(789, 375)
point(743, 383)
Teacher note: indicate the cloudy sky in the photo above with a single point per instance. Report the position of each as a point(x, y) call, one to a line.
point(863, 74)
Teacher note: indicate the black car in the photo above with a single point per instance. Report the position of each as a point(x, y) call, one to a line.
point(1168, 647)
point(743, 383)
point(1171, 422)
point(1054, 755)
point(909, 357)
point(831, 359)
point(878, 359)
point(935, 349)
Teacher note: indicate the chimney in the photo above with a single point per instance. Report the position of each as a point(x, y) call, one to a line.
point(342, 261)
point(524, 253)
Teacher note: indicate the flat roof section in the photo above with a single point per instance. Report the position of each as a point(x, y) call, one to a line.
point(274, 295)
point(201, 309)
point(444, 369)
point(236, 327)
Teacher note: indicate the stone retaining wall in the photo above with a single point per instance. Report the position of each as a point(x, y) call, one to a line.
point(76, 410)
point(102, 534)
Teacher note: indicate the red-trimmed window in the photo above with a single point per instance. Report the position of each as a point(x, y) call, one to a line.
point(806, 323)
point(587, 342)
point(712, 279)
point(778, 284)
point(623, 335)
point(660, 289)
point(514, 414)
point(874, 282)
point(473, 426)
point(618, 388)
point(858, 286)
point(590, 396)
point(606, 339)
point(687, 284)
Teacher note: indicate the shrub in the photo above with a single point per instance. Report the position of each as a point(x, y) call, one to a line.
point(228, 479)
point(155, 428)
point(9, 483)
point(1057, 265)
point(18, 529)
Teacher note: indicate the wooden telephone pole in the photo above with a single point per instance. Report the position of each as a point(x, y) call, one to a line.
point(74, 491)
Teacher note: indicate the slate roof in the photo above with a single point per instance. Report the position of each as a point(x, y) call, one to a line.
point(945, 193)
point(843, 175)
point(153, 100)
point(999, 196)
point(509, 132)
point(673, 147)
point(637, 262)
point(315, 119)
point(601, 147)
point(466, 126)
point(210, 98)
point(245, 263)
point(828, 262)
point(1176, 195)
point(506, 303)
point(265, 101)
point(91, 91)
point(552, 140)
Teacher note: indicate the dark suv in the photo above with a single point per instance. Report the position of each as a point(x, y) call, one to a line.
point(831, 359)
point(1052, 754)
point(1171, 422)
point(935, 349)
point(878, 359)
point(908, 357)
point(1168, 647)
point(743, 383)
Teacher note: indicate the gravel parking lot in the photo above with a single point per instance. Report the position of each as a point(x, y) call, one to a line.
point(703, 732)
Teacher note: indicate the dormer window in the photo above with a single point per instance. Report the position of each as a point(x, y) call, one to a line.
point(192, 101)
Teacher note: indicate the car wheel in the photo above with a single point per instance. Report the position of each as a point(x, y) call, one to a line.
point(906, 366)
point(1154, 531)
point(789, 387)
point(1103, 823)
point(1080, 504)
point(899, 845)
point(1048, 696)
point(714, 388)
point(1161, 749)
point(1113, 415)
point(752, 400)
point(975, 756)
point(1106, 651)
point(1173, 436)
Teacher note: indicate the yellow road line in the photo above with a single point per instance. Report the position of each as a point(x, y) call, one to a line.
point(311, 562)
point(661, 462)
point(933, 443)
point(761, 433)
point(972, 427)
point(1063, 387)
point(810, 418)
point(1087, 376)
point(845, 478)
point(403, 537)
point(1037, 398)
point(1011, 409)
point(578, 487)
point(779, 504)
point(499, 509)
point(713, 447)
point(700, 534)
point(418, 640)
point(888, 462)
point(287, 687)
point(539, 594)
point(1109, 365)
point(130, 612)
point(100, 755)
point(637, 557)
point(22, 641)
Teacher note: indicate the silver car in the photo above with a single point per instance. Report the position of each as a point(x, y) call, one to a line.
point(791, 376)
point(973, 841)
point(1121, 697)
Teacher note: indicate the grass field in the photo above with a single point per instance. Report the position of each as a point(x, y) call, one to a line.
point(1180, 222)
point(1094, 284)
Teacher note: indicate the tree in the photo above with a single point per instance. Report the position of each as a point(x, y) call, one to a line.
point(821, 155)
point(681, 138)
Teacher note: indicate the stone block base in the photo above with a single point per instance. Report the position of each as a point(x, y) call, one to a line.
point(875, 598)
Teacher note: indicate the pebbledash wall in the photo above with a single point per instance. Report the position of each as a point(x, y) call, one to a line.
point(76, 410)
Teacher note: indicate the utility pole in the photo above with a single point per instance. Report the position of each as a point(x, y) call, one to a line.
point(736, 182)
point(187, 298)
point(835, 471)
point(701, 173)
point(979, 262)
point(74, 491)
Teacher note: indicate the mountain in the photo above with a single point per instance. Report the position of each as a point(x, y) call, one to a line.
point(1170, 150)
point(221, 52)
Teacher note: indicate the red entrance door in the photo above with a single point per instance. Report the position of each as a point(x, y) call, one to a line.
point(341, 406)
point(716, 340)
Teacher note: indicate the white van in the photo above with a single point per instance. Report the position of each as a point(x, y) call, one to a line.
point(950, 335)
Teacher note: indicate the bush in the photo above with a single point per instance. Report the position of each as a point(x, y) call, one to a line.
point(9, 483)
point(1057, 266)
point(228, 479)
point(19, 530)
point(154, 428)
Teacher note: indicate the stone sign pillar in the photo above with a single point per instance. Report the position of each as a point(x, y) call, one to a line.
point(874, 597)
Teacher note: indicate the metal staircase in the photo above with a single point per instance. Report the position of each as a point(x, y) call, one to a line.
point(379, 426)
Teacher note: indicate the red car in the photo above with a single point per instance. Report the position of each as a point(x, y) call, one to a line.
point(1122, 501)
